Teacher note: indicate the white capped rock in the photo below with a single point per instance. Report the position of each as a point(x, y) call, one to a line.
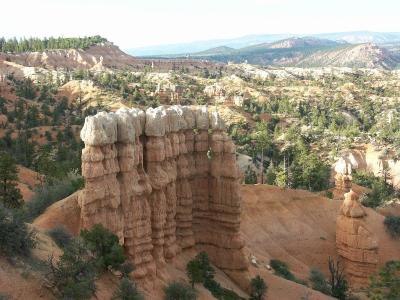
point(140, 120)
point(189, 117)
point(216, 121)
point(174, 118)
point(156, 121)
point(342, 166)
point(126, 125)
point(100, 129)
point(201, 114)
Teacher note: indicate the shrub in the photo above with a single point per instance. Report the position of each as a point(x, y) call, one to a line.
point(386, 283)
point(337, 281)
point(258, 288)
point(250, 176)
point(392, 224)
point(318, 281)
point(381, 191)
point(127, 291)
point(179, 291)
point(50, 193)
point(214, 287)
point(194, 272)
point(205, 265)
point(199, 270)
point(105, 247)
point(73, 276)
point(15, 237)
point(60, 236)
point(126, 268)
point(281, 269)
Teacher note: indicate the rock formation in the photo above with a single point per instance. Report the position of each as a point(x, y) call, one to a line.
point(356, 245)
point(163, 180)
point(343, 176)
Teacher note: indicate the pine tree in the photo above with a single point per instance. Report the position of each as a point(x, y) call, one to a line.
point(258, 288)
point(263, 141)
point(10, 195)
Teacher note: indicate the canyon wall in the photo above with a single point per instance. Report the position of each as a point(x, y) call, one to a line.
point(375, 160)
point(163, 180)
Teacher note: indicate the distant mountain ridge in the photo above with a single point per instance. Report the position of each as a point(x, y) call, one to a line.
point(355, 37)
point(356, 56)
point(306, 52)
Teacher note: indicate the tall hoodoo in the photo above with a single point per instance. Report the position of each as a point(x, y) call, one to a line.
point(357, 246)
point(163, 180)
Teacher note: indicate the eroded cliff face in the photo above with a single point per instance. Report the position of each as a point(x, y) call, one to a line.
point(372, 159)
point(356, 244)
point(163, 180)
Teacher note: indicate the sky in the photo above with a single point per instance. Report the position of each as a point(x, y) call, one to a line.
point(134, 23)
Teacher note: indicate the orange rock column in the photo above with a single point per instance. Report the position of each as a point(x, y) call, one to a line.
point(356, 244)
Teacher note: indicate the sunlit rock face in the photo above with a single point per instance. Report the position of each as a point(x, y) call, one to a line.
point(356, 244)
point(163, 180)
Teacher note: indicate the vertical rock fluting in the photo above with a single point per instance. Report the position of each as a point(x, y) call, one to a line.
point(163, 180)
point(219, 232)
point(135, 190)
point(356, 245)
point(186, 183)
point(157, 150)
point(100, 201)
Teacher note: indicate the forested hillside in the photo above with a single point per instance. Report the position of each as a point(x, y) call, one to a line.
point(15, 45)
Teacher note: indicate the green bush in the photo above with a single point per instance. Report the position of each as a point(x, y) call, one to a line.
point(50, 193)
point(250, 177)
point(337, 280)
point(258, 288)
point(385, 285)
point(199, 270)
point(281, 269)
point(364, 178)
point(15, 237)
point(194, 272)
point(381, 191)
point(392, 224)
point(73, 276)
point(179, 291)
point(318, 281)
point(126, 268)
point(127, 291)
point(60, 236)
point(214, 287)
point(104, 246)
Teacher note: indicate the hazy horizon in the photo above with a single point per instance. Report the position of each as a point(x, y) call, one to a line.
point(135, 24)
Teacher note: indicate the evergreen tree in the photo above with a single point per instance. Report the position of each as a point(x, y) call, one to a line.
point(127, 290)
point(258, 288)
point(194, 272)
point(73, 276)
point(105, 247)
point(386, 284)
point(10, 195)
point(337, 280)
point(263, 141)
point(179, 291)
